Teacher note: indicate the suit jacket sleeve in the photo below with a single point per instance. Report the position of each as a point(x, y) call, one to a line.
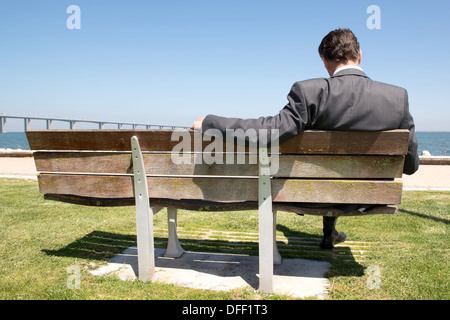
point(290, 121)
point(412, 158)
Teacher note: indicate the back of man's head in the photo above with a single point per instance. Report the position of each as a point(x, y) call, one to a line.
point(339, 46)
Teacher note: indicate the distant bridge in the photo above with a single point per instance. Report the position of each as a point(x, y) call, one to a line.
point(73, 122)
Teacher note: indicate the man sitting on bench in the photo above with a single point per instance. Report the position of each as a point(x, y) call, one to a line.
point(347, 101)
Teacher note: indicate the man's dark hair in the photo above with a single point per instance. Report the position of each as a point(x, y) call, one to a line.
point(339, 45)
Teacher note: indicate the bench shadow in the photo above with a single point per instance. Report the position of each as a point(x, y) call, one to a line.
point(424, 216)
point(97, 245)
point(217, 257)
point(307, 246)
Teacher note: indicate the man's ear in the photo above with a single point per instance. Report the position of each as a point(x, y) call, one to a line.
point(359, 57)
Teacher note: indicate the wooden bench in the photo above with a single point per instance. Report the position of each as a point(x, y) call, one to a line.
point(137, 167)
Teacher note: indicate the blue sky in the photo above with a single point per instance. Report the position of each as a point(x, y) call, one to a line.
point(169, 62)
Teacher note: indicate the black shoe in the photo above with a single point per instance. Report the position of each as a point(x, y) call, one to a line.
point(329, 241)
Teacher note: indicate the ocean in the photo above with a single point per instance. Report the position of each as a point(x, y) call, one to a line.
point(437, 143)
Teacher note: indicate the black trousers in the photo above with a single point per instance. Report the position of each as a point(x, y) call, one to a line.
point(329, 224)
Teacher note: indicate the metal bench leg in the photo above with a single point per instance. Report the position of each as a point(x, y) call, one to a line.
point(144, 216)
point(174, 249)
point(276, 253)
point(266, 225)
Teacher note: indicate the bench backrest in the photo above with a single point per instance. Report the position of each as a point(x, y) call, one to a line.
point(313, 167)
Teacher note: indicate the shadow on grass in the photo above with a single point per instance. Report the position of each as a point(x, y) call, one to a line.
point(100, 245)
point(97, 245)
point(342, 260)
point(424, 216)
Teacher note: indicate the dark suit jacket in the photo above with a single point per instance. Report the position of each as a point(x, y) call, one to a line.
point(348, 101)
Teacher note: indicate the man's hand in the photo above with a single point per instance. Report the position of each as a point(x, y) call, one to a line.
point(198, 124)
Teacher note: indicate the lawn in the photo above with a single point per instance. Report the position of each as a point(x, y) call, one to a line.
point(403, 256)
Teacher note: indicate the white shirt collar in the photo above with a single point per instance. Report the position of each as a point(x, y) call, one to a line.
point(347, 67)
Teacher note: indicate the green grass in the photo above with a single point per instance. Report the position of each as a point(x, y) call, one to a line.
point(40, 239)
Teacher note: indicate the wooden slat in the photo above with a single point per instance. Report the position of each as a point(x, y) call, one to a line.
point(208, 206)
point(89, 162)
point(394, 142)
point(340, 166)
point(102, 140)
point(297, 166)
point(337, 191)
point(330, 211)
point(89, 201)
point(308, 142)
point(334, 212)
point(226, 189)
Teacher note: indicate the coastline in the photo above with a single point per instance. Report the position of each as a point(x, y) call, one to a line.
point(433, 173)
